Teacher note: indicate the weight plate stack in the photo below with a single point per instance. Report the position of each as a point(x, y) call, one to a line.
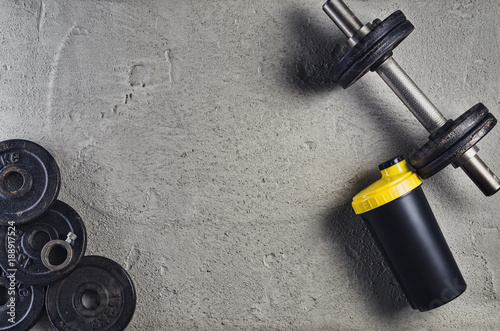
point(452, 140)
point(30, 239)
point(97, 295)
point(44, 242)
point(29, 181)
point(373, 49)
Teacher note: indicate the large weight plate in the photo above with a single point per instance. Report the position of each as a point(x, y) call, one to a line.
point(376, 55)
point(459, 148)
point(29, 240)
point(29, 181)
point(452, 140)
point(372, 49)
point(21, 306)
point(448, 135)
point(98, 295)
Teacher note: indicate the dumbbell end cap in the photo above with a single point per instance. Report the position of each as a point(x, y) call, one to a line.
point(481, 175)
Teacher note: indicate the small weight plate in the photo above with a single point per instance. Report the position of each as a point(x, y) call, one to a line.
point(28, 241)
point(462, 146)
point(21, 306)
point(448, 135)
point(97, 295)
point(29, 181)
point(348, 70)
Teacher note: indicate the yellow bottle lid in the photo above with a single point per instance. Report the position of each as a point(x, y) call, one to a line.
point(397, 180)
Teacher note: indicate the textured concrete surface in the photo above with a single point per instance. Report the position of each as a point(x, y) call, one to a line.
point(210, 153)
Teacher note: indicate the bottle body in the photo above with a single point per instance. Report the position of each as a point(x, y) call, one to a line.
point(397, 213)
point(416, 250)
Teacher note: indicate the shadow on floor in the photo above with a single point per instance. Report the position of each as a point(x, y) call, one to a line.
point(309, 71)
point(372, 276)
point(315, 51)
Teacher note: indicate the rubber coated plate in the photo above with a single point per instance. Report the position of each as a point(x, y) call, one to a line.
point(29, 181)
point(29, 240)
point(21, 305)
point(97, 295)
point(447, 136)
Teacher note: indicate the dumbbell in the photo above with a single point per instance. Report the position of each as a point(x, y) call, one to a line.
point(450, 141)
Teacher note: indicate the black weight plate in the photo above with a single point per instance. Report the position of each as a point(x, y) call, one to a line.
point(21, 306)
point(376, 55)
point(448, 135)
point(29, 240)
point(98, 295)
point(364, 46)
point(459, 148)
point(29, 181)
point(367, 42)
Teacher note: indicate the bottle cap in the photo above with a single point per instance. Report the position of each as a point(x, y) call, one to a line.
point(397, 180)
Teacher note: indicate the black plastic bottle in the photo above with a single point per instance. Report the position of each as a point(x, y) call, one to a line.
point(401, 220)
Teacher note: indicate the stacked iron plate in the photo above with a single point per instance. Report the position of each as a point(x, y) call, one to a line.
point(42, 247)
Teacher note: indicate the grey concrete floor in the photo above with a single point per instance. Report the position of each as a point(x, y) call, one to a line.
point(210, 153)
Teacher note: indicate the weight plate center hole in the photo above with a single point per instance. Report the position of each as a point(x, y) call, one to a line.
point(4, 295)
point(13, 181)
point(91, 300)
point(38, 240)
point(57, 255)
